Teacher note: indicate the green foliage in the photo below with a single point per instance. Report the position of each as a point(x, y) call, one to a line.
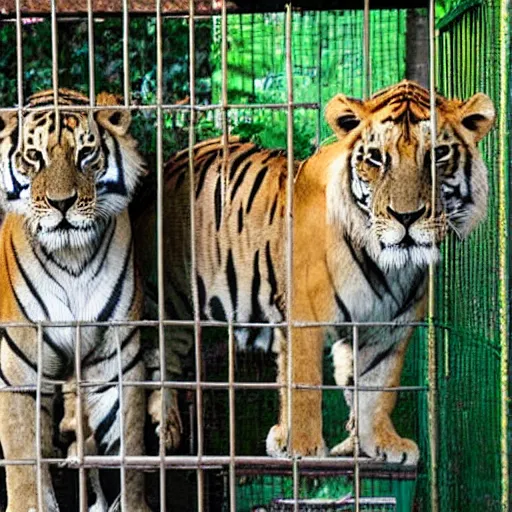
point(323, 64)
point(326, 59)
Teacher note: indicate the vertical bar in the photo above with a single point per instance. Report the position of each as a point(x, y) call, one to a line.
point(503, 247)
point(289, 219)
point(160, 256)
point(122, 449)
point(193, 263)
point(232, 417)
point(319, 112)
point(55, 64)
point(19, 64)
point(355, 369)
point(90, 38)
point(39, 469)
point(79, 421)
point(296, 481)
point(367, 88)
point(126, 54)
point(431, 340)
point(224, 99)
point(367, 66)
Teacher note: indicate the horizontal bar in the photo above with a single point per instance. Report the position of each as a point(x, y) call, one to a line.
point(156, 384)
point(42, 7)
point(219, 461)
point(209, 323)
point(201, 7)
point(166, 107)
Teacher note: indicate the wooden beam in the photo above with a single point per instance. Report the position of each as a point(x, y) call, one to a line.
point(180, 7)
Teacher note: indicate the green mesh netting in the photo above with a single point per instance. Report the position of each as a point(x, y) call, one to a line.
point(468, 294)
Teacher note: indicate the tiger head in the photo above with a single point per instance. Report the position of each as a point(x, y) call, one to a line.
point(67, 172)
point(380, 181)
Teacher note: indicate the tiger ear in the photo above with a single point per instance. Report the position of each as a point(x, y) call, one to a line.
point(115, 121)
point(344, 114)
point(478, 115)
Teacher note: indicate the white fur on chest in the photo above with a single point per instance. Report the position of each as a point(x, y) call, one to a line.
point(48, 293)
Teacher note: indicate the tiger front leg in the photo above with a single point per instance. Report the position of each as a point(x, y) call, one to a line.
point(18, 439)
point(377, 435)
point(172, 428)
point(305, 437)
point(104, 408)
point(96, 500)
point(178, 347)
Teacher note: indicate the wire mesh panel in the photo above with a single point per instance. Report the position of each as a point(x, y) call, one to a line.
point(473, 347)
point(189, 77)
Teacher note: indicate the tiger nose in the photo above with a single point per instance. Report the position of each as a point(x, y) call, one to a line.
point(63, 205)
point(407, 219)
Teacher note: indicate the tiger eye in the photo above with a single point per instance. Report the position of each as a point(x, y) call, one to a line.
point(441, 151)
point(374, 157)
point(33, 154)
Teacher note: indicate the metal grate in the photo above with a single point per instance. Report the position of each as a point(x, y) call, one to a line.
point(195, 473)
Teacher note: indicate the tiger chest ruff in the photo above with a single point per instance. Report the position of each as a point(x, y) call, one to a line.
point(44, 288)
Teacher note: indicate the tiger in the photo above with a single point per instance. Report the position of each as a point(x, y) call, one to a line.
point(365, 230)
point(66, 255)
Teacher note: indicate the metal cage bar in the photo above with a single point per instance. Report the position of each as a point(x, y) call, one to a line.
point(39, 455)
point(200, 462)
point(122, 427)
point(79, 421)
point(431, 343)
point(289, 243)
point(160, 235)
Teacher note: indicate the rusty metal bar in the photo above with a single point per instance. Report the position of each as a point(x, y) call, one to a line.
point(39, 456)
point(168, 107)
point(195, 294)
point(126, 54)
point(289, 221)
point(55, 64)
point(215, 323)
point(122, 429)
point(355, 397)
point(431, 334)
point(79, 420)
point(232, 418)
point(150, 384)
point(160, 253)
point(152, 462)
point(90, 37)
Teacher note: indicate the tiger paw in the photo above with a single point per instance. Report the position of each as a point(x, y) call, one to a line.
point(389, 447)
point(394, 449)
point(343, 449)
point(173, 428)
point(277, 441)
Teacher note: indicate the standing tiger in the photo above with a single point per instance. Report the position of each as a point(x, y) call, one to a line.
point(66, 255)
point(364, 232)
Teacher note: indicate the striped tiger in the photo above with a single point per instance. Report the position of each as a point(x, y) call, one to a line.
point(364, 232)
point(66, 254)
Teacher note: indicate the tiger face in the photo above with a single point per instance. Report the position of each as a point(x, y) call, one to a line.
point(386, 181)
point(68, 174)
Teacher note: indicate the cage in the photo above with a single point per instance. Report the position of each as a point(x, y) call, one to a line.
point(191, 71)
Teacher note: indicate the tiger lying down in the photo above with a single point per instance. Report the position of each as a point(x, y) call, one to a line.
point(66, 254)
point(364, 232)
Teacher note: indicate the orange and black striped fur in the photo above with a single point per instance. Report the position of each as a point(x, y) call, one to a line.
point(66, 255)
point(364, 232)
